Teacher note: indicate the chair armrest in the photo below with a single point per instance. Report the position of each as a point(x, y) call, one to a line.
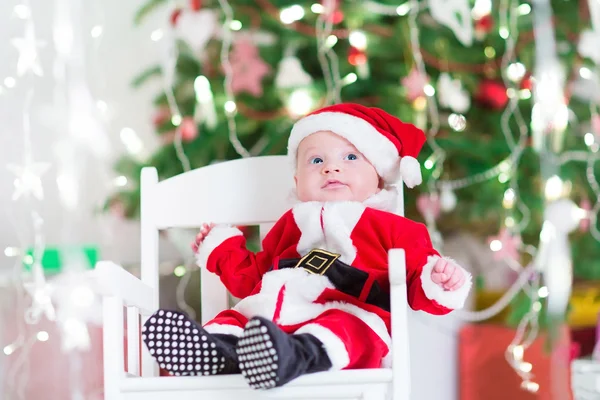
point(113, 280)
point(397, 267)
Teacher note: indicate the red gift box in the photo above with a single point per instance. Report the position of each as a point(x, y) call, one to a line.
point(486, 375)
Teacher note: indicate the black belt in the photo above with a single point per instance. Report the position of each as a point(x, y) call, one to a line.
point(344, 277)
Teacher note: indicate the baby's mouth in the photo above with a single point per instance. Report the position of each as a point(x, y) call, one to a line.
point(333, 184)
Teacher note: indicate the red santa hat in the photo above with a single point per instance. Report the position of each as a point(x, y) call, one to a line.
point(391, 145)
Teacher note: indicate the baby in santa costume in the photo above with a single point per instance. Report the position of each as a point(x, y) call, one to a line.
point(316, 297)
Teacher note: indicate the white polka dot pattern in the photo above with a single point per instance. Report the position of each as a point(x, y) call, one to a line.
point(258, 359)
point(187, 351)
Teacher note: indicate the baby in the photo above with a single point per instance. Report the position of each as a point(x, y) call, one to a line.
point(316, 298)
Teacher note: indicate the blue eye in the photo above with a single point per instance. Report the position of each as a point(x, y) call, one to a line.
point(316, 160)
point(351, 157)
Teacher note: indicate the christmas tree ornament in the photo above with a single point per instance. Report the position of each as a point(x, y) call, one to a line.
point(586, 207)
point(414, 84)
point(27, 47)
point(196, 28)
point(553, 257)
point(356, 56)
point(291, 75)
point(174, 16)
point(456, 15)
point(161, 115)
point(505, 245)
point(595, 123)
point(429, 206)
point(195, 5)
point(333, 12)
point(492, 94)
point(28, 180)
point(452, 95)
point(248, 68)
point(448, 199)
point(189, 129)
point(483, 26)
point(589, 45)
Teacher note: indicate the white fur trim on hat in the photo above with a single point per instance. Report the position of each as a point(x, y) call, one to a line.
point(380, 151)
point(410, 171)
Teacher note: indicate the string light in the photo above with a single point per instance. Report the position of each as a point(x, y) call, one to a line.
point(96, 31)
point(291, 14)
point(156, 35)
point(42, 336)
point(403, 9)
point(316, 8)
point(300, 102)
point(524, 9)
point(10, 82)
point(358, 39)
point(235, 25)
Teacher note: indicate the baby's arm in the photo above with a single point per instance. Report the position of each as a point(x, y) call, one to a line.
point(222, 250)
point(436, 284)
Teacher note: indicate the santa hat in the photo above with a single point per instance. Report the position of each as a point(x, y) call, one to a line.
point(391, 145)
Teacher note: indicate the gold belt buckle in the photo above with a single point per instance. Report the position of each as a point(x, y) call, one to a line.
point(317, 261)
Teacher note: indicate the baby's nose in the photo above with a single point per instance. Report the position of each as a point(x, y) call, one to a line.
point(328, 168)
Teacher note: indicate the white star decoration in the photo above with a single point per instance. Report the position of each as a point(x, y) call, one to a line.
point(41, 297)
point(28, 56)
point(28, 179)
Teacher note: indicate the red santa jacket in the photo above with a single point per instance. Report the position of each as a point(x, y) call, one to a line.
point(361, 235)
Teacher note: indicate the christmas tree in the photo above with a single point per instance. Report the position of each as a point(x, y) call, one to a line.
point(238, 74)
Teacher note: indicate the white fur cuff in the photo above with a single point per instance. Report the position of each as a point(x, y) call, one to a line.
point(215, 238)
point(224, 329)
point(450, 299)
point(334, 347)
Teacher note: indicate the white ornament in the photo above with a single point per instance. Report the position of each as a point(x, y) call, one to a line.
point(589, 45)
point(27, 47)
point(554, 253)
point(196, 28)
point(452, 95)
point(447, 199)
point(28, 178)
point(456, 15)
point(291, 75)
point(168, 58)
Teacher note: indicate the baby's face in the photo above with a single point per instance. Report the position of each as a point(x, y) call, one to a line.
point(330, 168)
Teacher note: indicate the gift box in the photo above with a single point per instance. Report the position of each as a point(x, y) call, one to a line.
point(486, 375)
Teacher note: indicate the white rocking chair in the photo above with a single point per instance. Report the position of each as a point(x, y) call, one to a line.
point(251, 191)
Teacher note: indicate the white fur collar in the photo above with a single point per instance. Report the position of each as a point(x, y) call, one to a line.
point(328, 226)
point(386, 199)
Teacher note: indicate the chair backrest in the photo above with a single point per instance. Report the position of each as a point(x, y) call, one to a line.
point(248, 191)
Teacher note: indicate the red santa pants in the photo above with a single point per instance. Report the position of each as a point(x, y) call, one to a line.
point(349, 342)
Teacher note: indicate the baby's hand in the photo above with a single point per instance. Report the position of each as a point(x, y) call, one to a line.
point(204, 231)
point(447, 275)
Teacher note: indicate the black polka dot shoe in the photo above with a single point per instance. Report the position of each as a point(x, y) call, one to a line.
point(269, 357)
point(184, 348)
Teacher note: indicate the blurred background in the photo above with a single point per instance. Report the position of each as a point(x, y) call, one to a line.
point(507, 91)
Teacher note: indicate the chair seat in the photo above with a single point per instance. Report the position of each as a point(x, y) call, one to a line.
point(350, 379)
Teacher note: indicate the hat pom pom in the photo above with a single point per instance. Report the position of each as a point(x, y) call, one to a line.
point(410, 171)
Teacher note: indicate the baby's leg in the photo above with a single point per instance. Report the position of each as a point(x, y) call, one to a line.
point(335, 340)
point(182, 347)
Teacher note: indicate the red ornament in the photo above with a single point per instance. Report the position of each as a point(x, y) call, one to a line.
point(526, 83)
point(161, 116)
point(175, 16)
point(189, 129)
point(356, 56)
point(195, 4)
point(483, 26)
point(335, 15)
point(492, 94)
